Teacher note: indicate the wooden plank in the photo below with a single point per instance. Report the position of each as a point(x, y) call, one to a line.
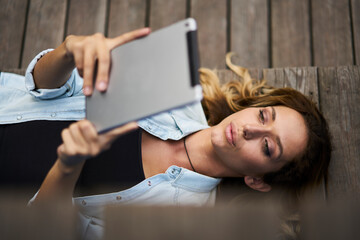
point(228, 75)
point(86, 17)
point(164, 12)
point(249, 33)
point(12, 23)
point(303, 79)
point(331, 33)
point(355, 7)
point(290, 33)
point(20, 71)
point(53, 220)
point(154, 222)
point(126, 15)
point(211, 20)
point(339, 98)
point(45, 27)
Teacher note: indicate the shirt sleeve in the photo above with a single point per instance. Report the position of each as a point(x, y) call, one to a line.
point(72, 87)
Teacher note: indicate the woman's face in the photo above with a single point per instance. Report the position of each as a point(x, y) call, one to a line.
point(256, 141)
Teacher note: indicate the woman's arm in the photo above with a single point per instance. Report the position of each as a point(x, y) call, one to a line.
point(80, 142)
point(82, 52)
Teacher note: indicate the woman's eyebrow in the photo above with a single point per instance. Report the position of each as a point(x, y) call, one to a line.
point(280, 148)
point(278, 142)
point(273, 113)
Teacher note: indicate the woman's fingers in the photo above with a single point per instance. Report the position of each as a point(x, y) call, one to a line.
point(106, 139)
point(81, 141)
point(127, 37)
point(115, 133)
point(103, 57)
point(86, 50)
point(89, 63)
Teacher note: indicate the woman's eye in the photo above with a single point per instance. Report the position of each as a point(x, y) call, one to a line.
point(261, 115)
point(266, 149)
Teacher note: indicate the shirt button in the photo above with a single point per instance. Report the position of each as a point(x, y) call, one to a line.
point(149, 183)
point(83, 202)
point(118, 197)
point(53, 114)
point(149, 127)
point(19, 117)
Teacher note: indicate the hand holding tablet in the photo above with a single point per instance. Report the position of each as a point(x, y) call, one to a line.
point(148, 75)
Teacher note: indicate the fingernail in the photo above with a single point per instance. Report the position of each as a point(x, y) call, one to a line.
point(145, 30)
point(102, 86)
point(87, 90)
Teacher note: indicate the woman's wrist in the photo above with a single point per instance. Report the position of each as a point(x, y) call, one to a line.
point(66, 169)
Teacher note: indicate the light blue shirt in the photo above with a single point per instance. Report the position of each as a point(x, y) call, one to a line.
point(21, 101)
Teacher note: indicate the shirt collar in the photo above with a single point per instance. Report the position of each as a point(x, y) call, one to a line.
point(192, 181)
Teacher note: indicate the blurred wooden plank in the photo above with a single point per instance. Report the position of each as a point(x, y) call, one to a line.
point(154, 223)
point(211, 19)
point(86, 17)
point(52, 221)
point(126, 15)
point(355, 7)
point(164, 12)
point(249, 33)
point(20, 71)
point(45, 27)
point(290, 33)
point(339, 98)
point(331, 33)
point(12, 23)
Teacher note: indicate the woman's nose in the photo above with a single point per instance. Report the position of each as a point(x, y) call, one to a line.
point(255, 131)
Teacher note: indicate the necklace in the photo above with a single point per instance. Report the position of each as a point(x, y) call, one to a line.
point(187, 154)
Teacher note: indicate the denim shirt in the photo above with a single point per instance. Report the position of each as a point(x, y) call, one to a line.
point(177, 186)
point(20, 101)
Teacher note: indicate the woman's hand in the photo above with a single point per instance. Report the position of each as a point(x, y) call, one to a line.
point(86, 50)
point(81, 141)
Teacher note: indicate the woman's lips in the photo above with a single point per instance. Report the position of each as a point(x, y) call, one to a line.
point(229, 134)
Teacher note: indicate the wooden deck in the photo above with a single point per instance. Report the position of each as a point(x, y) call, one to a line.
point(310, 45)
point(263, 33)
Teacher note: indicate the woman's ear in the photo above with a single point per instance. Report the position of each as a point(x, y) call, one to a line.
point(257, 183)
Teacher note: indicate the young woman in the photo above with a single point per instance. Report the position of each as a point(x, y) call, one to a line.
point(266, 136)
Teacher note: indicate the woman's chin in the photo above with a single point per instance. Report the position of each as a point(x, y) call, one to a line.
point(218, 138)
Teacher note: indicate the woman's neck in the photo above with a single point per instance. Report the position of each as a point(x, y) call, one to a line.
point(158, 155)
point(202, 154)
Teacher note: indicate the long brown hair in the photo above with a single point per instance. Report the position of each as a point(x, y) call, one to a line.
point(219, 102)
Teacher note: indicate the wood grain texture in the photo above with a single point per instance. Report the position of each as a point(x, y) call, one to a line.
point(331, 33)
point(355, 7)
point(126, 15)
point(339, 98)
point(86, 17)
point(45, 27)
point(249, 33)
point(12, 23)
point(211, 19)
point(290, 32)
point(164, 12)
point(303, 79)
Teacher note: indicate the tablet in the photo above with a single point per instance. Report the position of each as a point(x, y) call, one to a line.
point(149, 75)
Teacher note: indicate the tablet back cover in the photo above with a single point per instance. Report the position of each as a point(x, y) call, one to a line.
point(149, 75)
